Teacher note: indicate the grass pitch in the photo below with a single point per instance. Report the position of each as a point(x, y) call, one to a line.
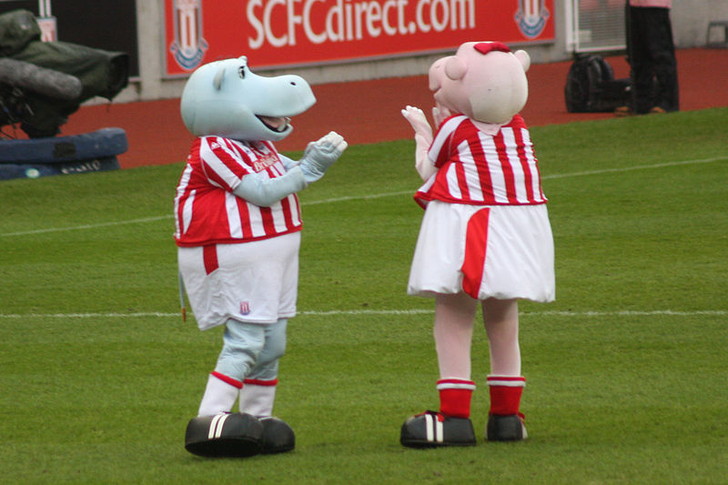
point(626, 370)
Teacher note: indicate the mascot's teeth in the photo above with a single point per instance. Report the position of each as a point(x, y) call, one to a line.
point(277, 124)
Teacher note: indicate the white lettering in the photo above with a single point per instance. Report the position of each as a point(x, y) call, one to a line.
point(401, 17)
point(86, 166)
point(374, 17)
point(307, 29)
point(349, 22)
point(361, 8)
point(293, 20)
point(465, 14)
point(267, 16)
point(422, 25)
point(335, 22)
point(388, 29)
point(255, 42)
point(439, 20)
point(321, 21)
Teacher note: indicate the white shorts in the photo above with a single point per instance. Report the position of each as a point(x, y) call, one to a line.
point(501, 252)
point(254, 282)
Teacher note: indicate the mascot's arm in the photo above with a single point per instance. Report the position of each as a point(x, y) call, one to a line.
point(289, 163)
point(320, 155)
point(423, 140)
point(317, 158)
point(264, 192)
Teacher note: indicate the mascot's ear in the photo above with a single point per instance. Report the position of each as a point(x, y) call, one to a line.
point(217, 80)
point(455, 68)
point(524, 58)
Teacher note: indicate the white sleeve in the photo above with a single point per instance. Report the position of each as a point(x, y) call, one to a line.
point(264, 192)
point(424, 166)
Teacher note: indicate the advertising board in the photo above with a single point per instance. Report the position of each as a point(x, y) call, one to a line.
point(279, 33)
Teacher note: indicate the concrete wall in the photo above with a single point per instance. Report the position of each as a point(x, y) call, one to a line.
point(690, 20)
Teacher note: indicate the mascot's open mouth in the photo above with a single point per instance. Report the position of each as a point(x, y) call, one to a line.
point(277, 124)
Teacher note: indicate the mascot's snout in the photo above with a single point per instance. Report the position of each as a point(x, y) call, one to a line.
point(226, 98)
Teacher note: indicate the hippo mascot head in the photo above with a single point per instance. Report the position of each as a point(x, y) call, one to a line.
point(225, 98)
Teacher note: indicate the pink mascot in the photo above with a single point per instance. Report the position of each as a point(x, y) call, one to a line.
point(485, 236)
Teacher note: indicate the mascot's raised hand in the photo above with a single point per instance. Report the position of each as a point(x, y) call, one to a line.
point(416, 117)
point(423, 139)
point(320, 155)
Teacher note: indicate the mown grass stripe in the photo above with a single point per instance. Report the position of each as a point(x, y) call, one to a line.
point(371, 196)
point(644, 313)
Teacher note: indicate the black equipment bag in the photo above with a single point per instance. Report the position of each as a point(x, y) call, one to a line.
point(591, 87)
point(18, 28)
point(30, 97)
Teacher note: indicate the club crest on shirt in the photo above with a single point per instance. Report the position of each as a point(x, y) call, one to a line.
point(244, 307)
point(531, 17)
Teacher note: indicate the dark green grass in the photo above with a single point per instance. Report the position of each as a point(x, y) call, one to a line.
point(626, 370)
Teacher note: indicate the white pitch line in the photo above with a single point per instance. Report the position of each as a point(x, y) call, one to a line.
point(358, 197)
point(87, 226)
point(583, 314)
point(371, 196)
point(631, 313)
point(632, 169)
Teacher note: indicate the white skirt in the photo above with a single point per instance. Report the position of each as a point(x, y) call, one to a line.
point(502, 252)
point(254, 282)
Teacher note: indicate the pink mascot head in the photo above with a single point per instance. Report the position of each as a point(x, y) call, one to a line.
point(485, 81)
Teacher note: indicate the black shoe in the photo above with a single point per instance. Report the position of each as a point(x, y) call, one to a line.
point(224, 435)
point(431, 429)
point(506, 428)
point(277, 436)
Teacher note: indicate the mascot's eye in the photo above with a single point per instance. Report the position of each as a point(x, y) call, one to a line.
point(241, 72)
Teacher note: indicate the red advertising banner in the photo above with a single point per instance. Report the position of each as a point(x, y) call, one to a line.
point(278, 33)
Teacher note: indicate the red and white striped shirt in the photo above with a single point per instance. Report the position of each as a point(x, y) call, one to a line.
point(480, 169)
point(205, 208)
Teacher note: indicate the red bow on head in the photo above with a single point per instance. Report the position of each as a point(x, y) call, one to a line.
point(486, 47)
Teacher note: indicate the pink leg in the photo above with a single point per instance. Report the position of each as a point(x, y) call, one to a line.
point(505, 381)
point(454, 315)
point(501, 324)
point(453, 333)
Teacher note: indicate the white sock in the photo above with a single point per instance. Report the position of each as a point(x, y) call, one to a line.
point(257, 396)
point(220, 395)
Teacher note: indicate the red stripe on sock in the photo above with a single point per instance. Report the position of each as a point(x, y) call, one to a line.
point(260, 382)
point(455, 383)
point(512, 381)
point(228, 380)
